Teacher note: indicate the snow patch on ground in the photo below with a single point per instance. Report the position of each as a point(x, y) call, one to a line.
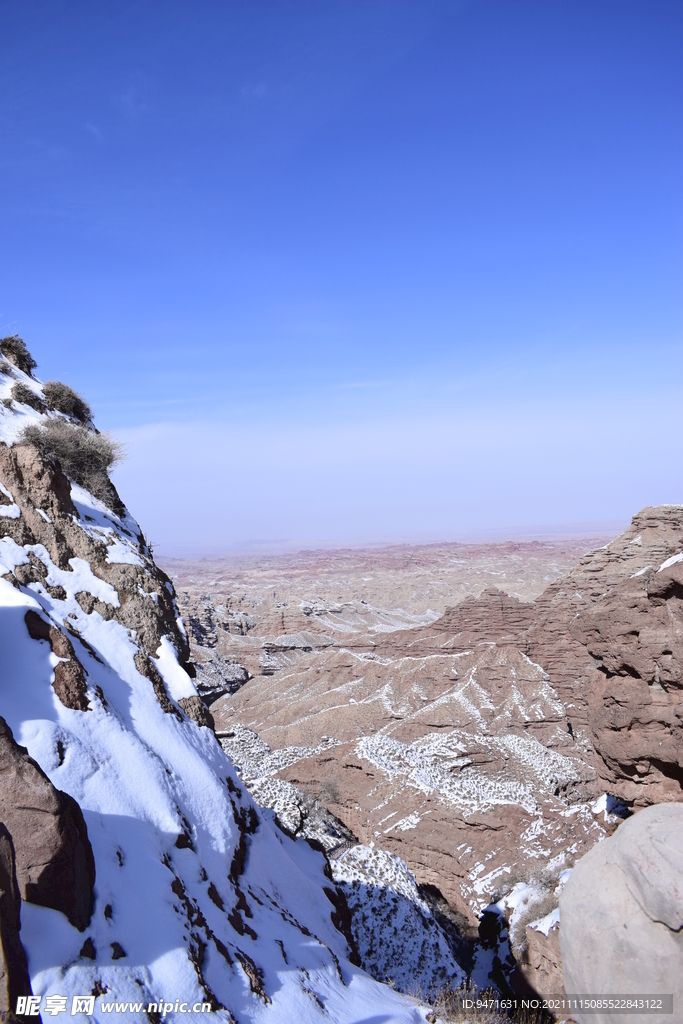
point(255, 758)
point(428, 765)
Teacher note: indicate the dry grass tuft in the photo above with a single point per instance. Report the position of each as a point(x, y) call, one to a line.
point(14, 348)
point(23, 393)
point(61, 398)
point(85, 456)
point(533, 912)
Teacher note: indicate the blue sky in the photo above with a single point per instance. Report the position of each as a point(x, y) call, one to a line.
point(355, 271)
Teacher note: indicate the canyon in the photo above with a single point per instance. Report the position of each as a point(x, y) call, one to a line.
point(479, 715)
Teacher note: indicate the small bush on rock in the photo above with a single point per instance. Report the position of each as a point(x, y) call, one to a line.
point(23, 393)
point(14, 349)
point(61, 398)
point(85, 456)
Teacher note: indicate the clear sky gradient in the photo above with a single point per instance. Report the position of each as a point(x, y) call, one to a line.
point(359, 271)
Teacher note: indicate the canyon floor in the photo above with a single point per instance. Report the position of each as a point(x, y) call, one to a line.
point(430, 756)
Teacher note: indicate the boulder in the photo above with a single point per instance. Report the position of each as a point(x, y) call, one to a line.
point(622, 914)
point(55, 866)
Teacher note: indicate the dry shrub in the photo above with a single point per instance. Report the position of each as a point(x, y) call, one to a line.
point(14, 349)
point(85, 456)
point(23, 393)
point(61, 398)
point(459, 1006)
point(329, 791)
point(534, 912)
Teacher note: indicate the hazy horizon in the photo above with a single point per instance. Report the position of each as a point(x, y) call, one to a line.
point(598, 534)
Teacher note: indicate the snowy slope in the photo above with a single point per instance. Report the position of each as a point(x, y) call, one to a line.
point(199, 897)
point(398, 936)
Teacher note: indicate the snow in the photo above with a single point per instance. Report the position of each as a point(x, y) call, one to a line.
point(11, 554)
point(428, 764)
point(11, 511)
point(121, 534)
point(610, 807)
point(178, 683)
point(258, 762)
point(547, 923)
point(394, 928)
point(13, 420)
point(671, 561)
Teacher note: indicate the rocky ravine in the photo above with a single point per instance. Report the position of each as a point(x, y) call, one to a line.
point(486, 748)
point(134, 865)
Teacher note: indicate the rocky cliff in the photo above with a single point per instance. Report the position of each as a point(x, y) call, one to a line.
point(136, 864)
point(610, 637)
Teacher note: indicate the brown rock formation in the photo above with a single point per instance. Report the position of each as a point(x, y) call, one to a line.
point(540, 970)
point(14, 979)
point(69, 682)
point(54, 861)
point(610, 636)
point(195, 709)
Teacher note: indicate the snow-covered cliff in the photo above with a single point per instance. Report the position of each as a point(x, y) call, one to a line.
point(198, 903)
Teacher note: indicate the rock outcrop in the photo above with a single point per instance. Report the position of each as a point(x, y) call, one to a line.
point(539, 971)
point(622, 913)
point(140, 596)
point(14, 979)
point(69, 682)
point(610, 636)
point(54, 860)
